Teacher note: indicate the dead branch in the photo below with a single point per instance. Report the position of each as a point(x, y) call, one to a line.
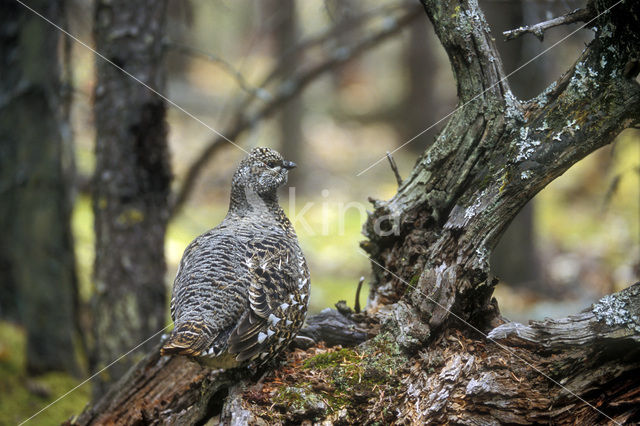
point(334, 33)
point(394, 168)
point(226, 66)
point(578, 15)
point(288, 89)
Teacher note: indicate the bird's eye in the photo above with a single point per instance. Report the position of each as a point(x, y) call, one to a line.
point(273, 163)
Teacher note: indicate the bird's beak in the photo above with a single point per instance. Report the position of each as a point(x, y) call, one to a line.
point(289, 165)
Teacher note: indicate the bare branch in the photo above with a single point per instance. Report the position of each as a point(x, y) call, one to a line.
point(230, 69)
point(334, 32)
point(356, 305)
point(578, 15)
point(394, 167)
point(288, 89)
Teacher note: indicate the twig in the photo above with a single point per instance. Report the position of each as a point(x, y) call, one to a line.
point(288, 89)
point(333, 32)
point(230, 69)
point(356, 305)
point(578, 15)
point(613, 187)
point(394, 167)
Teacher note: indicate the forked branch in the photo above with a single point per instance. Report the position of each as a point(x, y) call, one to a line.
point(289, 87)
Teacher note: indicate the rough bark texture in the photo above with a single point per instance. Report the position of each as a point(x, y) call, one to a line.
point(176, 390)
point(493, 156)
point(38, 285)
point(424, 366)
point(131, 182)
point(460, 378)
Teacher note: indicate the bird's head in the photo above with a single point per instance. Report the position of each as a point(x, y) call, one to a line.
point(263, 171)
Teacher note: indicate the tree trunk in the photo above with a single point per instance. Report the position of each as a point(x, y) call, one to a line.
point(493, 156)
point(515, 259)
point(131, 182)
point(291, 115)
point(420, 107)
point(38, 285)
point(431, 361)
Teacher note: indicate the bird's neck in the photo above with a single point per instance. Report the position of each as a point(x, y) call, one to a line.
point(246, 201)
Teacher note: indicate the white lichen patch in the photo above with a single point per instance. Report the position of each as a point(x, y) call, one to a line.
point(473, 209)
point(526, 146)
point(583, 79)
point(512, 109)
point(543, 98)
point(543, 127)
point(612, 310)
point(607, 30)
point(525, 175)
point(570, 128)
point(482, 255)
point(603, 61)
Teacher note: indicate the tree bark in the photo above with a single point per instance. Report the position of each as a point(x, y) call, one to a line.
point(131, 183)
point(286, 36)
point(515, 259)
point(176, 390)
point(430, 302)
point(460, 379)
point(493, 156)
point(38, 285)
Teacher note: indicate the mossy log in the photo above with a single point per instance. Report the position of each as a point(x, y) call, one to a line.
point(512, 377)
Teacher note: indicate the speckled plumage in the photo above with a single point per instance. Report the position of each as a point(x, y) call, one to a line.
point(242, 290)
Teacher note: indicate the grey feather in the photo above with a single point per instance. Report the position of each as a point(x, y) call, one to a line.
point(237, 281)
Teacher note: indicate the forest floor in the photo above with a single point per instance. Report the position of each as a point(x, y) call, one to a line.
point(21, 396)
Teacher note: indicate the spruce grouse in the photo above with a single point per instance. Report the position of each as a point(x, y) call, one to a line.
point(242, 289)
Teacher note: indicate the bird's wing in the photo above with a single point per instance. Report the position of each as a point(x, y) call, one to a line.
point(179, 282)
point(209, 294)
point(273, 275)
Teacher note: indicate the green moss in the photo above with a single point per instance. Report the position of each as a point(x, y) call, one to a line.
point(505, 180)
point(130, 217)
point(299, 398)
point(360, 372)
point(413, 282)
point(332, 359)
point(22, 396)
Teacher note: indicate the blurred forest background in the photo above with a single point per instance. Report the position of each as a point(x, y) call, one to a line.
point(364, 77)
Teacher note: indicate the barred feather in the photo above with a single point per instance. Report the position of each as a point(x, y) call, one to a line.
point(241, 292)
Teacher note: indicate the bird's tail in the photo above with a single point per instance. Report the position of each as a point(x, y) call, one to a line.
point(191, 338)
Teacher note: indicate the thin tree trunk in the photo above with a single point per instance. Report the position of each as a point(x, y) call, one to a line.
point(131, 183)
point(290, 117)
point(514, 260)
point(420, 108)
point(38, 282)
